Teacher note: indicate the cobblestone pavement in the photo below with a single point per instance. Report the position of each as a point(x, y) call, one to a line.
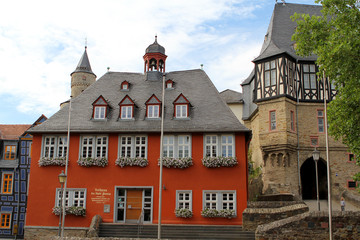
point(312, 204)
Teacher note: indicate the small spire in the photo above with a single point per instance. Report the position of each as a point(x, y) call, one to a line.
point(156, 38)
point(86, 43)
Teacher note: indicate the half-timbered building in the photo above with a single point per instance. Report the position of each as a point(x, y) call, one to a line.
point(284, 107)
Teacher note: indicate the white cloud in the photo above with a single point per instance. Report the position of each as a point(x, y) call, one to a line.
point(41, 42)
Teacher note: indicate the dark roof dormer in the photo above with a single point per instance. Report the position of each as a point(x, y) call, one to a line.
point(100, 109)
point(169, 84)
point(181, 107)
point(153, 105)
point(125, 85)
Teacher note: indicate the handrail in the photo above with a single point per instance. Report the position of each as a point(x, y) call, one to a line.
point(140, 222)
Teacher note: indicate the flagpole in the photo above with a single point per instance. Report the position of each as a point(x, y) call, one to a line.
point(161, 154)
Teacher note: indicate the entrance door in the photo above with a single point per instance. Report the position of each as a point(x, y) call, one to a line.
point(308, 179)
point(133, 204)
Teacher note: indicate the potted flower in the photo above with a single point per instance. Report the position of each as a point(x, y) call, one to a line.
point(55, 161)
point(128, 161)
point(89, 161)
point(212, 213)
point(183, 213)
point(77, 211)
point(215, 162)
point(170, 162)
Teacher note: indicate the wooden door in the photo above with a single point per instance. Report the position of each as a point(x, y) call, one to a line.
point(133, 204)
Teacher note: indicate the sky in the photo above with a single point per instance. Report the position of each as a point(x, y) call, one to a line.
point(42, 41)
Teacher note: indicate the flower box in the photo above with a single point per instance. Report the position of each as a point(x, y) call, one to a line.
point(57, 161)
point(215, 162)
point(88, 162)
point(77, 211)
point(213, 213)
point(176, 162)
point(128, 161)
point(183, 213)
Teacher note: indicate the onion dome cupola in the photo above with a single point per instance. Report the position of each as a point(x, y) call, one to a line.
point(154, 58)
point(83, 76)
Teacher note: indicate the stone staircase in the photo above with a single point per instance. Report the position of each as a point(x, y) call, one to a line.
point(174, 231)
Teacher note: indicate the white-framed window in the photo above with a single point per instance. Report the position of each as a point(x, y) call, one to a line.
point(225, 142)
point(133, 146)
point(309, 73)
point(177, 146)
point(94, 146)
point(184, 199)
point(127, 112)
point(270, 73)
point(181, 111)
point(54, 146)
point(74, 197)
point(153, 111)
point(99, 112)
point(219, 200)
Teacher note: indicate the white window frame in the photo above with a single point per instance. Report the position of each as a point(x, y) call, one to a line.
point(137, 146)
point(55, 148)
point(213, 145)
point(227, 145)
point(181, 201)
point(217, 200)
point(181, 110)
point(95, 148)
point(126, 112)
point(180, 145)
point(99, 112)
point(70, 197)
point(153, 111)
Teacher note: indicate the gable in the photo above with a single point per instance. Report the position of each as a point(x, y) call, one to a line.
point(153, 100)
point(100, 101)
point(181, 99)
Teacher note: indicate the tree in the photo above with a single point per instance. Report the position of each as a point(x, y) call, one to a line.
point(335, 38)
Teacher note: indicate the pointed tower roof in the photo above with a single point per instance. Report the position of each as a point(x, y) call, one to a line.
point(155, 48)
point(84, 64)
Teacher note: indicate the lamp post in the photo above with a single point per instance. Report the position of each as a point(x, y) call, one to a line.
point(62, 179)
point(316, 157)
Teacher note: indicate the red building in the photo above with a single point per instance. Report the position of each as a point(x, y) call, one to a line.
point(114, 150)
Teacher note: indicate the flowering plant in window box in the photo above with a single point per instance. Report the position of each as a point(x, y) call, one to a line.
point(176, 162)
point(56, 161)
point(128, 161)
point(211, 213)
point(183, 213)
point(214, 162)
point(97, 161)
point(77, 211)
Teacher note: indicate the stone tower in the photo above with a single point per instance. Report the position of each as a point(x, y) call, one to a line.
point(82, 77)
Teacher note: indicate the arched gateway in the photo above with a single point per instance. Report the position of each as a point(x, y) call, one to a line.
point(308, 179)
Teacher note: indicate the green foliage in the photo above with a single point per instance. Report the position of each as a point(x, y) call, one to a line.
point(253, 172)
point(335, 39)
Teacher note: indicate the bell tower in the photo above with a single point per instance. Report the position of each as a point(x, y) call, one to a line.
point(83, 76)
point(154, 58)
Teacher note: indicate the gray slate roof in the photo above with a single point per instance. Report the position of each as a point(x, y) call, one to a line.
point(155, 48)
point(84, 64)
point(208, 112)
point(231, 96)
point(281, 28)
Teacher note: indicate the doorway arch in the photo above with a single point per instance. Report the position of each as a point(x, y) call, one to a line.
point(308, 179)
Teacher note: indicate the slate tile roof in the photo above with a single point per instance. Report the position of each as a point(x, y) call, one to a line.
point(208, 111)
point(231, 96)
point(281, 28)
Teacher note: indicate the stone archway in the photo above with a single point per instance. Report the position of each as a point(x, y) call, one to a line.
point(308, 179)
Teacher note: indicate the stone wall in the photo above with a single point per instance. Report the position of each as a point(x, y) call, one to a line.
point(258, 213)
point(312, 225)
point(42, 233)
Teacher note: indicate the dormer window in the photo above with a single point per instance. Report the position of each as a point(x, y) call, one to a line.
point(153, 107)
point(100, 108)
point(181, 107)
point(169, 84)
point(127, 108)
point(125, 85)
